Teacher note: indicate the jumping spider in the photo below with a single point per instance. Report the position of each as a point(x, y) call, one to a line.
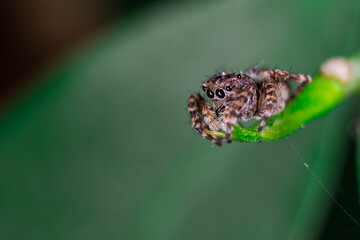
point(259, 93)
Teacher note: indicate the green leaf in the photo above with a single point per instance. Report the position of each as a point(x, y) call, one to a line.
point(316, 100)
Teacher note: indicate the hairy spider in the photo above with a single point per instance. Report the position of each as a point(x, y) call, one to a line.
point(259, 93)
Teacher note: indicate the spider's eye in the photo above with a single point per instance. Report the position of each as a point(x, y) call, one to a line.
point(228, 88)
point(210, 93)
point(220, 93)
point(203, 87)
point(238, 76)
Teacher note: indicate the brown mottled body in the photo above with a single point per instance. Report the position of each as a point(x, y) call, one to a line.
point(259, 93)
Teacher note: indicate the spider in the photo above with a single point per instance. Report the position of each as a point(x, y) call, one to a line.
point(259, 93)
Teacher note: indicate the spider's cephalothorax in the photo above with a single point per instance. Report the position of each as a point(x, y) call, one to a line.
point(259, 93)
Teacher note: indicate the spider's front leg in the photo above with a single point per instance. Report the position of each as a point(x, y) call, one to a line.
point(203, 117)
point(243, 106)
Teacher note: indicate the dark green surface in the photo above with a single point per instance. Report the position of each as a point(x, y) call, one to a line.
point(357, 124)
point(103, 149)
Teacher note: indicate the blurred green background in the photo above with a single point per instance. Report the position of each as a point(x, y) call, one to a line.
point(96, 142)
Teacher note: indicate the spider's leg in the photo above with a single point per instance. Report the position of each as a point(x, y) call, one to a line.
point(203, 117)
point(279, 76)
point(268, 102)
point(237, 108)
point(283, 76)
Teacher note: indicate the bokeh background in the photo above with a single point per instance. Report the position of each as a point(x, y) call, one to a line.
point(96, 142)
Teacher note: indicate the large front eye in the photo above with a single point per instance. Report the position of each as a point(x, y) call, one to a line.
point(220, 93)
point(210, 93)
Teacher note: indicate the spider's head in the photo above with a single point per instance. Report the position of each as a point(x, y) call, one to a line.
point(225, 86)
